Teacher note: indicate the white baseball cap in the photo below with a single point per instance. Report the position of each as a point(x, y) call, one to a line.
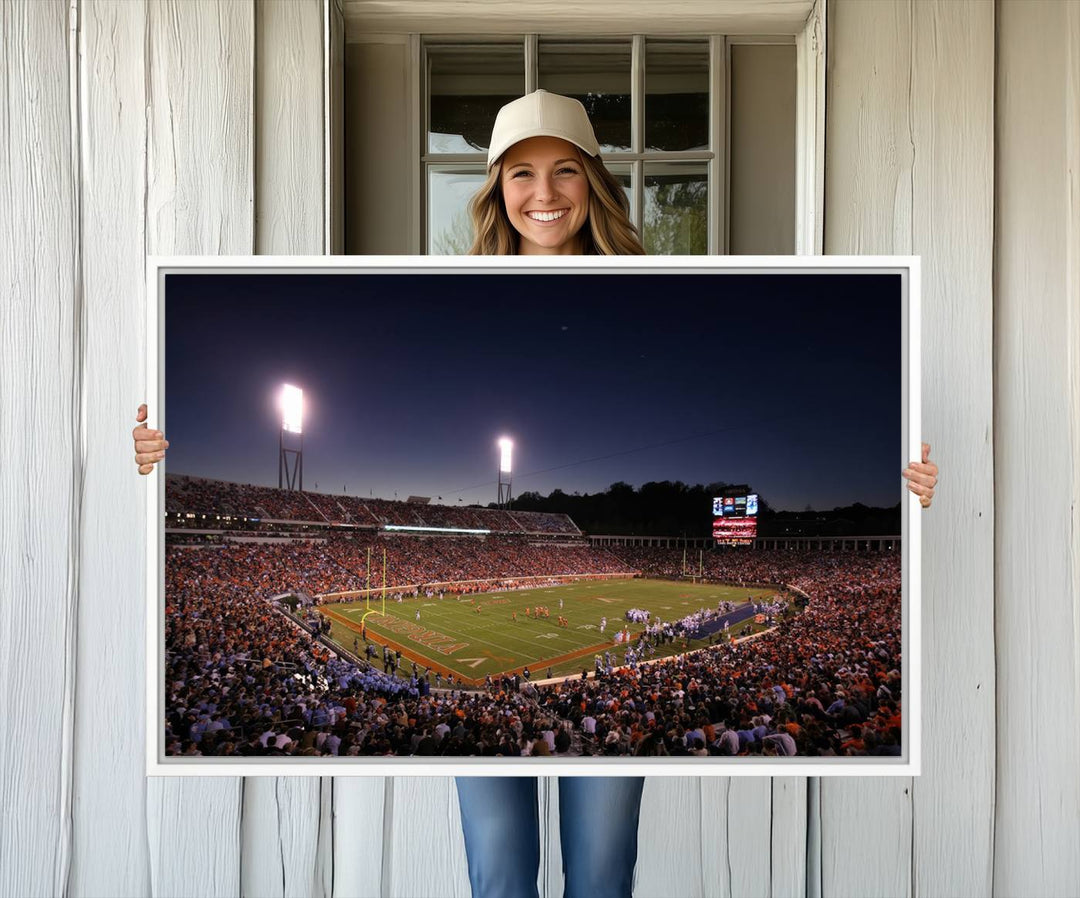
point(541, 114)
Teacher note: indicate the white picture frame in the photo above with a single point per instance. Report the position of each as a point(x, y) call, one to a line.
point(908, 341)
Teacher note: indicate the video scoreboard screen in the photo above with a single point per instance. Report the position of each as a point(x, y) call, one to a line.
point(735, 519)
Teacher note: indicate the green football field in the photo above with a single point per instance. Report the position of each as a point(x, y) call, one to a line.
point(452, 636)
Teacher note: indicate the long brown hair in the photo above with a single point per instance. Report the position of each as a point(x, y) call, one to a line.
point(607, 232)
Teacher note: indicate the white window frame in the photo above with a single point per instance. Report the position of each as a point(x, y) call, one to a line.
point(809, 40)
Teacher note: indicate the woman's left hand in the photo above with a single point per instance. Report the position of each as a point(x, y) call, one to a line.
point(922, 477)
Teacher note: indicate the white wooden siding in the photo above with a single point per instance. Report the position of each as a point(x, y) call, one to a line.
point(952, 227)
point(183, 127)
point(41, 455)
point(285, 848)
point(199, 200)
point(909, 149)
point(867, 138)
point(1037, 361)
point(109, 815)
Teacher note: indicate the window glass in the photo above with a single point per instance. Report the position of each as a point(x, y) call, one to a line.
point(624, 176)
point(449, 190)
point(676, 95)
point(467, 84)
point(597, 74)
point(676, 208)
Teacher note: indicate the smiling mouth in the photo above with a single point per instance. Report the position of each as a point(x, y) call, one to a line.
point(554, 215)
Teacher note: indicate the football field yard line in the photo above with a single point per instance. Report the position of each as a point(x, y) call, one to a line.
point(449, 623)
point(453, 634)
point(423, 655)
point(516, 644)
point(460, 636)
point(407, 651)
point(512, 633)
point(494, 633)
point(562, 637)
point(453, 630)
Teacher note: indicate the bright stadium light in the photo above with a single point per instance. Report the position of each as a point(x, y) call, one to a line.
point(506, 447)
point(292, 409)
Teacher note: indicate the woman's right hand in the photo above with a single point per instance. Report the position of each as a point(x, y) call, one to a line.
point(150, 445)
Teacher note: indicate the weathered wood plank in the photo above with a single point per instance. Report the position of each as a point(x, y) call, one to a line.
point(40, 444)
point(359, 807)
point(324, 850)
point(753, 836)
point(917, 94)
point(750, 835)
point(868, 200)
point(551, 875)
point(199, 200)
point(280, 837)
point(193, 828)
point(1037, 450)
point(866, 837)
point(868, 152)
point(282, 816)
point(289, 127)
point(200, 185)
point(423, 845)
point(952, 82)
point(715, 844)
point(813, 837)
point(788, 841)
point(111, 855)
point(669, 839)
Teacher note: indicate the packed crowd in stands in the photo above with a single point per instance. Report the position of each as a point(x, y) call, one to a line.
point(419, 560)
point(824, 682)
point(242, 678)
point(339, 563)
point(200, 496)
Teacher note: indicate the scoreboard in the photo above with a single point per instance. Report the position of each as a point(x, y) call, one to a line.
point(735, 519)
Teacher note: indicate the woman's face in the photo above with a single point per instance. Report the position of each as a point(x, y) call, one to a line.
point(546, 195)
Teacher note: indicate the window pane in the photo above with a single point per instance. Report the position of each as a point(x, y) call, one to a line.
point(623, 175)
point(467, 85)
point(676, 209)
point(676, 95)
point(597, 74)
point(449, 191)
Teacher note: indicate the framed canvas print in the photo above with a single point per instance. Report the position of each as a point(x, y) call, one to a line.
point(507, 516)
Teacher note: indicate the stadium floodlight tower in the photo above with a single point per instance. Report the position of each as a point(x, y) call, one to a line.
point(292, 415)
point(506, 448)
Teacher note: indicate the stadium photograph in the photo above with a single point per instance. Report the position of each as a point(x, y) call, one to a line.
point(496, 515)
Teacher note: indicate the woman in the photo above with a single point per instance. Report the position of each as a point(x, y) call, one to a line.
point(547, 193)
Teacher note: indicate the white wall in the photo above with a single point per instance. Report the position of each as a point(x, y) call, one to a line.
point(378, 155)
point(144, 127)
point(762, 127)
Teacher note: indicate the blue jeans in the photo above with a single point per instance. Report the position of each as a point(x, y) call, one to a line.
point(598, 821)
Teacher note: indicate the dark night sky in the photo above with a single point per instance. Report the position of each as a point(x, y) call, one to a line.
point(787, 382)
